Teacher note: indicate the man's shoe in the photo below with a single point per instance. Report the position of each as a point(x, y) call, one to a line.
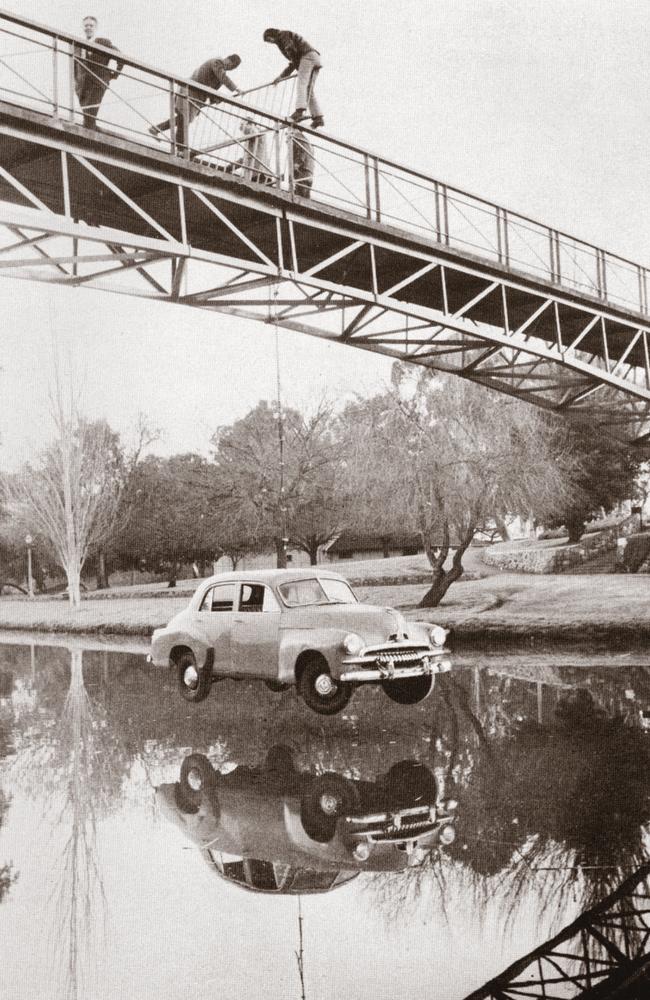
point(298, 115)
point(155, 132)
point(318, 122)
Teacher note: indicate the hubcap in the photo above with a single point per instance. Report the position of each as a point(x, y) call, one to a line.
point(194, 780)
point(325, 685)
point(190, 677)
point(329, 804)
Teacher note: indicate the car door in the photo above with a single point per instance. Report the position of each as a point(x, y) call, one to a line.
point(255, 632)
point(215, 617)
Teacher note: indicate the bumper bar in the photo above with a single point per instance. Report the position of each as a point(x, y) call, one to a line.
point(361, 675)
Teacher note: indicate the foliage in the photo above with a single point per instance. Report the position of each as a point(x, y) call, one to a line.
point(169, 512)
point(279, 474)
point(444, 457)
point(605, 474)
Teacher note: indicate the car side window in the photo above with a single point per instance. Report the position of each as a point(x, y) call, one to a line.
point(257, 597)
point(219, 598)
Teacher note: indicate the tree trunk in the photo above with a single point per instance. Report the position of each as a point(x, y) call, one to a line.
point(173, 573)
point(502, 528)
point(575, 526)
point(313, 552)
point(102, 575)
point(73, 574)
point(385, 548)
point(281, 552)
point(442, 580)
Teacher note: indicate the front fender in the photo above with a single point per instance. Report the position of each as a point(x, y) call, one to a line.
point(327, 642)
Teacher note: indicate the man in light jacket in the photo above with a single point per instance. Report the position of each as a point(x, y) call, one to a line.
point(304, 60)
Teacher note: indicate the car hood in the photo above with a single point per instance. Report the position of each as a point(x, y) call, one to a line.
point(373, 624)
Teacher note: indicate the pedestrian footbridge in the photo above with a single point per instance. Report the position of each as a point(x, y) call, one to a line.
point(237, 211)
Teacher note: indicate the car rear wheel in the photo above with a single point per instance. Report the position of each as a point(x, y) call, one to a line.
point(409, 692)
point(324, 802)
point(320, 691)
point(193, 683)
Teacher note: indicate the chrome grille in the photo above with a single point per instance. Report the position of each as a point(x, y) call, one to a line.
point(407, 657)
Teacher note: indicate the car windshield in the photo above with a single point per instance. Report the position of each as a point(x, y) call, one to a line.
point(299, 593)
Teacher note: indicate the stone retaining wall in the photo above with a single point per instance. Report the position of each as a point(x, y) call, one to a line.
point(547, 558)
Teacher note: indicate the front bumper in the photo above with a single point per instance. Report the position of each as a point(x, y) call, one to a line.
point(395, 665)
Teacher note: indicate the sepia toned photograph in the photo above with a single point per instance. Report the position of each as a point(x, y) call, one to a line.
point(324, 500)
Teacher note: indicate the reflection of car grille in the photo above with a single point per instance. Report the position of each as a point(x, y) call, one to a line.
point(405, 832)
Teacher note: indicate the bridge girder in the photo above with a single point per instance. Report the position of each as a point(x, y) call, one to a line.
point(103, 219)
point(603, 953)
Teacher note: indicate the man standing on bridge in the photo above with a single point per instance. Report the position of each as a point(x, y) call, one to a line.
point(92, 72)
point(304, 60)
point(212, 73)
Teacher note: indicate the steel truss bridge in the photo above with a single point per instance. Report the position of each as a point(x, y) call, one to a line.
point(244, 214)
point(603, 955)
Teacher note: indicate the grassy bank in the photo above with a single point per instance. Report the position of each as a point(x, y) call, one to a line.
point(503, 608)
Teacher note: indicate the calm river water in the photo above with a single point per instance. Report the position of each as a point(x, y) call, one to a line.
point(244, 847)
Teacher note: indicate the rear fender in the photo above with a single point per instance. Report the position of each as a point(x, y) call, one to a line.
point(202, 650)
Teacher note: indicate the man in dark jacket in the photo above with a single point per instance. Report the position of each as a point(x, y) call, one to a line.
point(93, 72)
point(212, 73)
point(304, 60)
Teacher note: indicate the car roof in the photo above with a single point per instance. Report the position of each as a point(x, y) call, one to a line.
point(273, 577)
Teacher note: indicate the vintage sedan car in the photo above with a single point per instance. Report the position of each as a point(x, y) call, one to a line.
point(302, 627)
point(276, 828)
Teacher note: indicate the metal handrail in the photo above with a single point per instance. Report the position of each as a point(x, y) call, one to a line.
point(564, 242)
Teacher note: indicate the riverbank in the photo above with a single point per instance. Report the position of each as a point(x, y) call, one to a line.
point(507, 608)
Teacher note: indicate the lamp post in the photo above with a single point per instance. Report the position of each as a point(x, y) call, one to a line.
point(30, 579)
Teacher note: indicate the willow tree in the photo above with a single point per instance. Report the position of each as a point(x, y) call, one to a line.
point(443, 457)
point(70, 495)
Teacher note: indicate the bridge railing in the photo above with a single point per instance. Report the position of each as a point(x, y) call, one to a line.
point(250, 137)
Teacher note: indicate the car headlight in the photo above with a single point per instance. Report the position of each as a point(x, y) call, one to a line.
point(437, 635)
point(362, 851)
point(447, 835)
point(353, 644)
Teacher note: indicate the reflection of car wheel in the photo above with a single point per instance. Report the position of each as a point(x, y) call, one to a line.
point(280, 759)
point(411, 783)
point(198, 782)
point(325, 801)
point(194, 684)
point(320, 691)
point(409, 692)
point(276, 686)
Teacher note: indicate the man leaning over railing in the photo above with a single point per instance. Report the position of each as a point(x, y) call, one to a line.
point(212, 73)
point(304, 59)
point(93, 72)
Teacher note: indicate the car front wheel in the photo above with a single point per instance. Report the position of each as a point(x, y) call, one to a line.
point(193, 683)
point(329, 797)
point(409, 692)
point(320, 691)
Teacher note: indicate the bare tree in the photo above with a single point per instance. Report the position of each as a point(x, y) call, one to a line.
point(70, 496)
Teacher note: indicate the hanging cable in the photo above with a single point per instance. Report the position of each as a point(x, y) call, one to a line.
point(278, 390)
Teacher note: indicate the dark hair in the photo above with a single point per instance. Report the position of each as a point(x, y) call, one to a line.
point(271, 34)
point(236, 58)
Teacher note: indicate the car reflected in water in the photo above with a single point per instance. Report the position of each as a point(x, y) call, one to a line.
point(276, 828)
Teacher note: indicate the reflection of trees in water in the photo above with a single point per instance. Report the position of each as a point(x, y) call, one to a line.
point(72, 766)
point(7, 874)
point(560, 810)
point(77, 899)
